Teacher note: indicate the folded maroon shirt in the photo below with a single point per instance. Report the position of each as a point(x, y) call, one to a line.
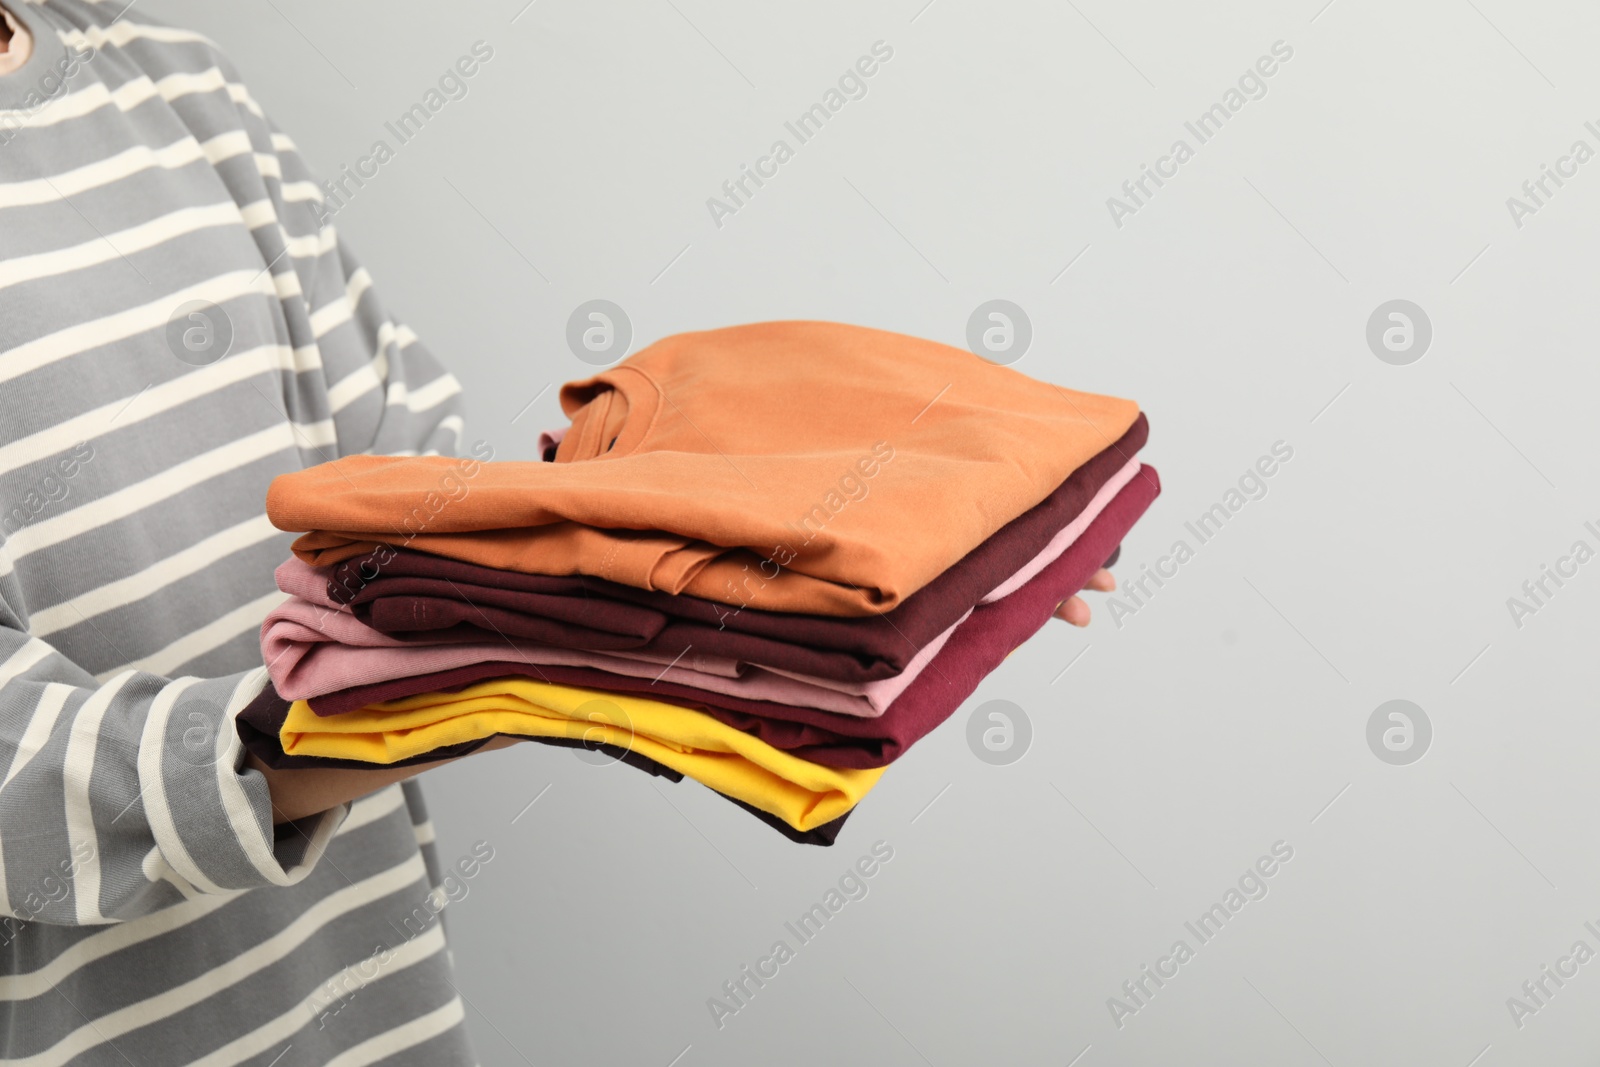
point(975, 649)
point(416, 594)
point(259, 723)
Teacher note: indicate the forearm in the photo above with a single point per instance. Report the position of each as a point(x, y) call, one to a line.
point(297, 794)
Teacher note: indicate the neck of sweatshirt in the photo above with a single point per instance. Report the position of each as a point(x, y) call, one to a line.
point(611, 415)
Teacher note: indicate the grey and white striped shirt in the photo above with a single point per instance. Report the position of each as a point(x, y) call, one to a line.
point(176, 329)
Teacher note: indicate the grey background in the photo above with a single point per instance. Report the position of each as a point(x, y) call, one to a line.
point(1227, 713)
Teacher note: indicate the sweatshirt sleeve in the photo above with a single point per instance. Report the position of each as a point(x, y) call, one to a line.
point(386, 393)
point(119, 798)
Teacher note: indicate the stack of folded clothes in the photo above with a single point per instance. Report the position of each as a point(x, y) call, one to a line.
point(770, 558)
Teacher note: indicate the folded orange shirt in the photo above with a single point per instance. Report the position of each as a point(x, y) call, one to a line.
point(788, 466)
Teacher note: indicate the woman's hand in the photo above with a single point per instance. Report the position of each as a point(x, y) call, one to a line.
point(1076, 611)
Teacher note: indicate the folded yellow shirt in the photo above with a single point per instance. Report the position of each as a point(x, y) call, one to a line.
point(801, 793)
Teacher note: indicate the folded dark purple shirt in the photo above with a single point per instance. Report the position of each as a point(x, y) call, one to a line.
point(412, 593)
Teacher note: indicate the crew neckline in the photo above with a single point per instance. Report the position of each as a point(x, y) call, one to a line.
point(48, 56)
point(620, 385)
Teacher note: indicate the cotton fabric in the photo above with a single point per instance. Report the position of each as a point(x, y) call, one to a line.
point(975, 649)
point(262, 719)
point(804, 794)
point(315, 649)
point(312, 650)
point(429, 593)
point(791, 506)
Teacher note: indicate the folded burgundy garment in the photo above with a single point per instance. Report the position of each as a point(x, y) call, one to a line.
point(402, 592)
point(258, 725)
point(975, 649)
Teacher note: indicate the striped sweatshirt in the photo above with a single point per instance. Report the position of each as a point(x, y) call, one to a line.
point(176, 329)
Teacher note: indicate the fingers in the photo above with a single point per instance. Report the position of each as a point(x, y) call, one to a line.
point(1075, 611)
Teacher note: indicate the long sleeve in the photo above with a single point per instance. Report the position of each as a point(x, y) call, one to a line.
point(122, 797)
point(380, 387)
